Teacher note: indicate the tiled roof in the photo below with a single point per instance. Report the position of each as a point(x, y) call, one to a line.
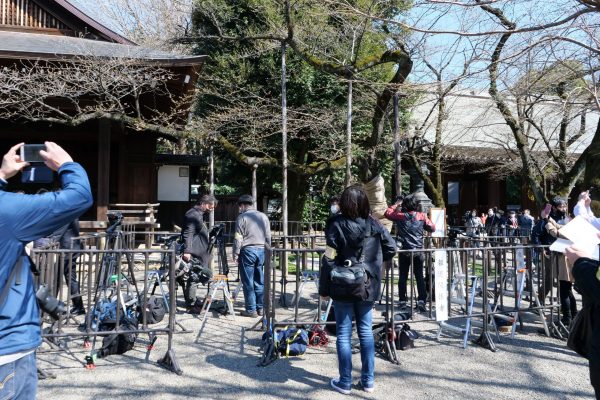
point(23, 45)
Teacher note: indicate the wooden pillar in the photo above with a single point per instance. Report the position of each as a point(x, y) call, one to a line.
point(103, 169)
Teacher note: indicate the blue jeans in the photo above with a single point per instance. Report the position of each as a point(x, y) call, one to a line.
point(18, 379)
point(363, 312)
point(251, 262)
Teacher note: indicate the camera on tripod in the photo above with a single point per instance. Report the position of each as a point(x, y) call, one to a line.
point(115, 219)
point(48, 303)
point(216, 231)
point(454, 232)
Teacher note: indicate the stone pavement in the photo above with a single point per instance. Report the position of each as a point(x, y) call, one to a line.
point(221, 364)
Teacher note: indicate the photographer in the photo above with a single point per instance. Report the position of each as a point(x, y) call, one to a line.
point(558, 218)
point(24, 218)
point(410, 227)
point(195, 233)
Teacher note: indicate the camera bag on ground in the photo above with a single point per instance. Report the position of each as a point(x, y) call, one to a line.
point(350, 279)
point(155, 310)
point(118, 343)
point(291, 341)
point(405, 337)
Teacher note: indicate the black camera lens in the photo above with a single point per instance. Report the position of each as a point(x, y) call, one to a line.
point(48, 303)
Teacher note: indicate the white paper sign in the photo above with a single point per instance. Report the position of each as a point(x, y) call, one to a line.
point(438, 217)
point(441, 285)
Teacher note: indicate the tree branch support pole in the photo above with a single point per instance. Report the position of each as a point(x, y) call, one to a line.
point(284, 135)
point(397, 150)
point(254, 190)
point(211, 185)
point(349, 137)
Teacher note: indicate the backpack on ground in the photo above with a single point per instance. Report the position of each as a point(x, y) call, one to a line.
point(118, 343)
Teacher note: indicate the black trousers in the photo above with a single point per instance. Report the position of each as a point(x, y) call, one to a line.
point(417, 260)
point(70, 278)
point(568, 305)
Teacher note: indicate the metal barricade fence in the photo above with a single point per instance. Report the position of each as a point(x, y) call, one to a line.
point(114, 284)
point(478, 287)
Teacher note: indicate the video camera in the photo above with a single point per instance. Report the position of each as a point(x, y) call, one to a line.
point(454, 232)
point(115, 219)
point(198, 273)
point(216, 230)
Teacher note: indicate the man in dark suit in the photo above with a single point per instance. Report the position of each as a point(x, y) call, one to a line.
point(195, 232)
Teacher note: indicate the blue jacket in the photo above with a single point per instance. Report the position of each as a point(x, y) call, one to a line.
point(24, 218)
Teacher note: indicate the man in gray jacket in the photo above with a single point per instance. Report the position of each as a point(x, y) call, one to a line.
point(252, 233)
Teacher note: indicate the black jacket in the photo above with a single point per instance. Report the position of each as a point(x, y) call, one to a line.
point(495, 225)
point(410, 226)
point(195, 235)
point(345, 236)
point(585, 272)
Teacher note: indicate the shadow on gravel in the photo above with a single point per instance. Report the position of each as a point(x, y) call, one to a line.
point(273, 379)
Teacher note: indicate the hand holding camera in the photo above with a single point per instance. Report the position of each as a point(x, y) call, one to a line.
point(12, 163)
point(54, 156)
point(21, 155)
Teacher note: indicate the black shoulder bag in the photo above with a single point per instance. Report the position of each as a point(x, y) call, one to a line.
point(350, 280)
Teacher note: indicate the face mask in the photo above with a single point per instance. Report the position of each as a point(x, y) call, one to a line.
point(334, 209)
point(561, 214)
point(490, 213)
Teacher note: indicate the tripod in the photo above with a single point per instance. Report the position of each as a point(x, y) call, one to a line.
point(109, 301)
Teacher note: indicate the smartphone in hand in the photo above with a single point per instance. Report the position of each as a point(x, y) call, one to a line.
point(31, 153)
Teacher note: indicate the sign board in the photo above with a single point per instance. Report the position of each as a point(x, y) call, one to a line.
point(441, 285)
point(453, 193)
point(438, 217)
point(173, 183)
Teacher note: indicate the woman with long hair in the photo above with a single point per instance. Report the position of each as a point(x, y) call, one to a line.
point(355, 238)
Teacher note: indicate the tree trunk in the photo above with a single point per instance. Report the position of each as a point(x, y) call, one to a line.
point(592, 165)
point(298, 194)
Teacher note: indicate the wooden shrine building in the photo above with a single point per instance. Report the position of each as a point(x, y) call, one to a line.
point(120, 160)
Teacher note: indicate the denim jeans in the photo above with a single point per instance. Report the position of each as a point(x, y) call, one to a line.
point(18, 379)
point(251, 261)
point(363, 312)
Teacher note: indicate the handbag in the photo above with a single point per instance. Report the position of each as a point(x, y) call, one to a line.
point(405, 338)
point(350, 279)
point(580, 334)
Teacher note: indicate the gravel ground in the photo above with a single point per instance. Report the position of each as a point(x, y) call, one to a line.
point(221, 364)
